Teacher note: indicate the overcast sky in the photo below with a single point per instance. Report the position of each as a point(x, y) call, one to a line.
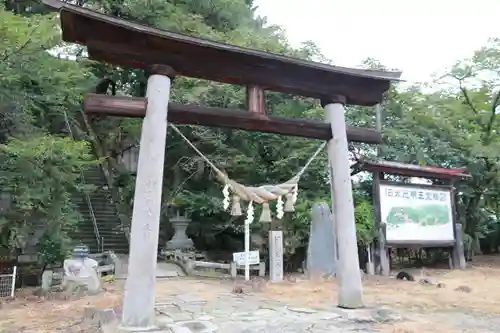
point(418, 37)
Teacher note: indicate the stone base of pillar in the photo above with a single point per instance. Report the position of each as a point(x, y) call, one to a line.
point(107, 320)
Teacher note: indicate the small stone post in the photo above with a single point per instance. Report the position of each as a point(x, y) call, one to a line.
point(348, 272)
point(370, 266)
point(276, 256)
point(460, 262)
point(140, 287)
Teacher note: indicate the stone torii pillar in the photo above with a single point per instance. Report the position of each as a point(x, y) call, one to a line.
point(140, 287)
point(348, 271)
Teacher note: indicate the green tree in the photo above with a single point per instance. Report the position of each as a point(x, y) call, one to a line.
point(40, 174)
point(186, 178)
point(452, 126)
point(39, 169)
point(456, 125)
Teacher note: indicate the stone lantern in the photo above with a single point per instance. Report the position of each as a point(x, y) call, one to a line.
point(180, 222)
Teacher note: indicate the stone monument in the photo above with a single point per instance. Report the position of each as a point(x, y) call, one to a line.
point(80, 272)
point(321, 251)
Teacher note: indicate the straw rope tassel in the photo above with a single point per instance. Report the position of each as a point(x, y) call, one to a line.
point(266, 213)
point(236, 207)
point(261, 194)
point(289, 208)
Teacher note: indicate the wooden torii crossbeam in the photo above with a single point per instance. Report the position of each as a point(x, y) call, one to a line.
point(135, 107)
point(164, 55)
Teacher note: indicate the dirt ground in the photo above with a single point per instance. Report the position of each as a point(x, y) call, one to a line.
point(474, 292)
point(426, 307)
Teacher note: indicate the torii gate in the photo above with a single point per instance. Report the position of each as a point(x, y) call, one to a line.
point(163, 54)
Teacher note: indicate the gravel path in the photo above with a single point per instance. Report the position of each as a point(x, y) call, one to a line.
point(241, 313)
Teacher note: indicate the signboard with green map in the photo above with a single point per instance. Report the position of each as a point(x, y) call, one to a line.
point(414, 213)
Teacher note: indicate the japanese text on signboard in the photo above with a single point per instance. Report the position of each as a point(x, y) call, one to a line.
point(415, 194)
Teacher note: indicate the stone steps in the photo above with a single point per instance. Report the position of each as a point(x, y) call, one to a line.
point(108, 223)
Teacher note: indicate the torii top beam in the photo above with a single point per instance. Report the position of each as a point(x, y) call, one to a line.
point(411, 170)
point(123, 43)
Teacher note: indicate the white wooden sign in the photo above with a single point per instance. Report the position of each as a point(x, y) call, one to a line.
point(253, 258)
point(276, 256)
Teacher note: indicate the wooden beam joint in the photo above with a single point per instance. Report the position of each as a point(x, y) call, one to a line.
point(256, 99)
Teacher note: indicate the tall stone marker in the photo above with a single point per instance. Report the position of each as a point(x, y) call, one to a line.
point(321, 251)
point(276, 256)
